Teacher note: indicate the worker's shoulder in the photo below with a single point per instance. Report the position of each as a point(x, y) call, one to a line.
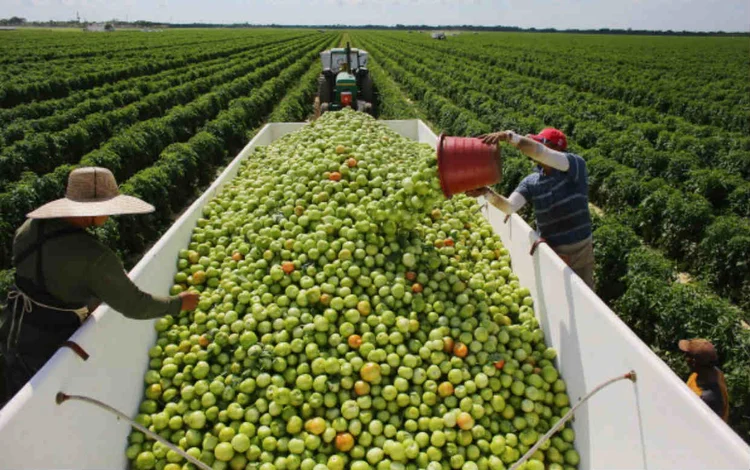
point(531, 179)
point(25, 228)
point(575, 158)
point(78, 243)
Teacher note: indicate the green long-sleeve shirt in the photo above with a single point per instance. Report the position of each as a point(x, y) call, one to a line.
point(79, 269)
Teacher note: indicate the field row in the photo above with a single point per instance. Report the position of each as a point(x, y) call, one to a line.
point(702, 80)
point(65, 79)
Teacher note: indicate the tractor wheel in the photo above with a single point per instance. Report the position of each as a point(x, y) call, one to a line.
point(324, 89)
point(364, 107)
point(367, 89)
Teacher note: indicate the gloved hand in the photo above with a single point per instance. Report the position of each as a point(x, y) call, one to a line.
point(496, 137)
point(189, 300)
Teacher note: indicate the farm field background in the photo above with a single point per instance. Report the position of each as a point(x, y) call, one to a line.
point(663, 123)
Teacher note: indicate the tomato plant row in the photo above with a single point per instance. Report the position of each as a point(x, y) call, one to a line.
point(16, 93)
point(25, 121)
point(701, 80)
point(42, 152)
point(51, 107)
point(37, 47)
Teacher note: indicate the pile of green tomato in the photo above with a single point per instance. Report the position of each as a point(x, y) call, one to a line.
point(350, 318)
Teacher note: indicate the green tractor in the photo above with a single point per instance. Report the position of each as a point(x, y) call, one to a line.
point(345, 81)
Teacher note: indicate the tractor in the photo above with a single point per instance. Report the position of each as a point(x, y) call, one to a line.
point(345, 81)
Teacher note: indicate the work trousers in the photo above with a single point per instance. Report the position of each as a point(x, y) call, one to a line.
point(580, 257)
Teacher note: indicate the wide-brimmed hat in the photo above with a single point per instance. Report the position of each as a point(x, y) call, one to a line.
point(700, 349)
point(91, 192)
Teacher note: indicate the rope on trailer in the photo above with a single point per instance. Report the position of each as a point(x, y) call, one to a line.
point(61, 397)
point(629, 376)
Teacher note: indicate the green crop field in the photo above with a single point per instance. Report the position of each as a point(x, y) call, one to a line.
point(663, 123)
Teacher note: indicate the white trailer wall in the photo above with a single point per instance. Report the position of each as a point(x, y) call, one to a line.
point(656, 423)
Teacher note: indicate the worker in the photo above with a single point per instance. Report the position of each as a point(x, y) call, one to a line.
point(706, 380)
point(62, 273)
point(558, 190)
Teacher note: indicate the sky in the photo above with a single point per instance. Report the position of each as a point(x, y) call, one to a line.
point(690, 15)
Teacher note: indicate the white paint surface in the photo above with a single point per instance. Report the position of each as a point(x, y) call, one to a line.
point(656, 423)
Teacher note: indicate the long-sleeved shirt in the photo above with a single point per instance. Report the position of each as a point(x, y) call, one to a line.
point(559, 194)
point(79, 269)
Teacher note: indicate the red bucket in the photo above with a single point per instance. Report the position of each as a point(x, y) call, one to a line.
point(466, 163)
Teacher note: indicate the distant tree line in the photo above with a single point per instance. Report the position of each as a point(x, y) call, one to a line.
point(16, 21)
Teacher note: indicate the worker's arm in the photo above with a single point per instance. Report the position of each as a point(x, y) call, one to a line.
point(531, 148)
point(109, 282)
point(508, 205)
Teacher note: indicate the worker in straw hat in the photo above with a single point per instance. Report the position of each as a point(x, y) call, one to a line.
point(62, 273)
point(706, 380)
point(558, 190)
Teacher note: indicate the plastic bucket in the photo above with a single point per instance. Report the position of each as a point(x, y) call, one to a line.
point(466, 163)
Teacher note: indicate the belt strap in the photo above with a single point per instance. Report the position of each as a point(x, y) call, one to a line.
point(16, 317)
point(15, 297)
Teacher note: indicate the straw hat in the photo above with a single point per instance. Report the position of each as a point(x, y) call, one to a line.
point(91, 192)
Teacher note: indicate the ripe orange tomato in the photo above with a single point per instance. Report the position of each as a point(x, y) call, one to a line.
point(460, 350)
point(287, 266)
point(355, 341)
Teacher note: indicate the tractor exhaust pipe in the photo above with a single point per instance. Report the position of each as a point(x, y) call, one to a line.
point(348, 58)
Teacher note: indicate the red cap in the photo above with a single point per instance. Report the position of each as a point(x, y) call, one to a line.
point(553, 136)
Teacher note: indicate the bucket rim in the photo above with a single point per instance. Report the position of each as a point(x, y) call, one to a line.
point(446, 192)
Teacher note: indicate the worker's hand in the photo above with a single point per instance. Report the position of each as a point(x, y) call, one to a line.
point(189, 300)
point(483, 191)
point(495, 137)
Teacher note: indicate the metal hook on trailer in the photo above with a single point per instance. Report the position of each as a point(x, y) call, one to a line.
point(61, 398)
point(629, 376)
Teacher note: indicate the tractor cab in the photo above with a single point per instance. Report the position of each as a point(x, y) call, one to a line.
point(345, 81)
point(335, 60)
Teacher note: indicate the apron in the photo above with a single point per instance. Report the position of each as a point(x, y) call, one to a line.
point(35, 323)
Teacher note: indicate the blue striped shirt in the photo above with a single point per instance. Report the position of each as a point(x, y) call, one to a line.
point(561, 202)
